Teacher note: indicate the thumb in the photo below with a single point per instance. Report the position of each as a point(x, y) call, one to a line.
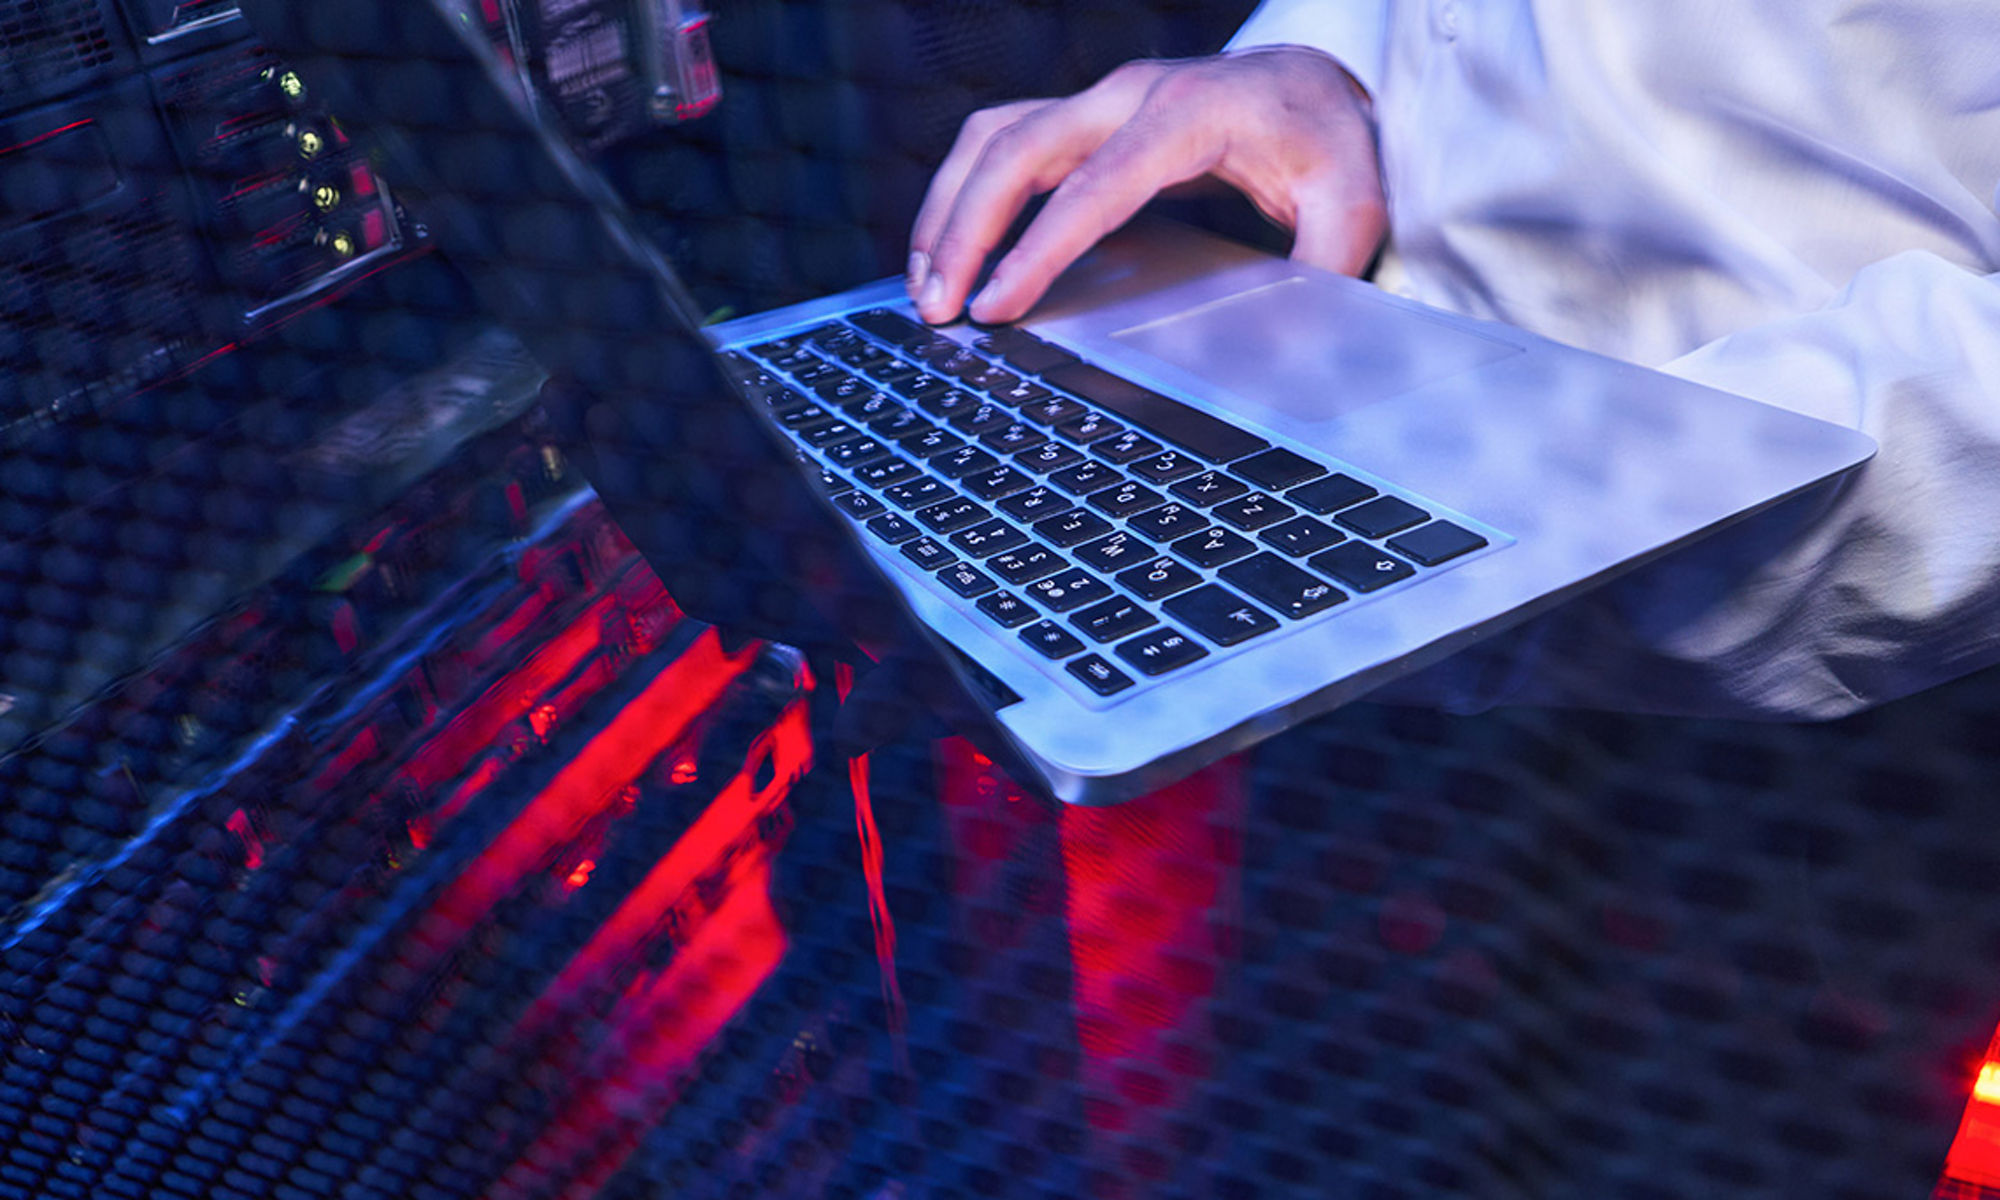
point(1338, 233)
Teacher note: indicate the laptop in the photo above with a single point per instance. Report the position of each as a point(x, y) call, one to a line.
point(1199, 495)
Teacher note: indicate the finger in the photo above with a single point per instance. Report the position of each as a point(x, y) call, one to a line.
point(1338, 229)
point(1154, 150)
point(1022, 159)
point(942, 193)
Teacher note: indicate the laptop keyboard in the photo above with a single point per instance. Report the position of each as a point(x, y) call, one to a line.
point(1118, 533)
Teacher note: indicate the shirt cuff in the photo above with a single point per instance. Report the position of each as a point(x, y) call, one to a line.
point(1352, 31)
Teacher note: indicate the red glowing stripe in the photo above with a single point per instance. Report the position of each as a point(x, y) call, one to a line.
point(590, 781)
point(1146, 884)
point(878, 900)
point(730, 819)
point(352, 755)
point(446, 754)
point(632, 1084)
point(39, 138)
point(253, 846)
point(1974, 1157)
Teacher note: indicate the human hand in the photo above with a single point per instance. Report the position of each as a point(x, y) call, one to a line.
point(1285, 125)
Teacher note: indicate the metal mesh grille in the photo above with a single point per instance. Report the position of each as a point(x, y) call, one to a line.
point(46, 45)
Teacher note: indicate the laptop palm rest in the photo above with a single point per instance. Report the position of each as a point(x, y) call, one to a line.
point(1307, 353)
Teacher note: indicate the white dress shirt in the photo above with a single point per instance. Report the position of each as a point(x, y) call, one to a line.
point(1793, 200)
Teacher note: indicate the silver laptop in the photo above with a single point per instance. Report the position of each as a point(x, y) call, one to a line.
point(1199, 495)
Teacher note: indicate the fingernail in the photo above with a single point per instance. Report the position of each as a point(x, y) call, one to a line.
point(918, 269)
point(931, 296)
point(988, 296)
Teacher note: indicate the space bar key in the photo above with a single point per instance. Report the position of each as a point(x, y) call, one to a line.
point(1189, 428)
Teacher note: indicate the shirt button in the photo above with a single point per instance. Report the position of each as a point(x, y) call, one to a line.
point(1444, 19)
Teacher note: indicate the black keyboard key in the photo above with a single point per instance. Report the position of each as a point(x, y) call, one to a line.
point(1277, 469)
point(1052, 456)
point(950, 515)
point(886, 473)
point(1053, 411)
point(1170, 521)
point(840, 388)
point(966, 579)
point(890, 326)
point(785, 401)
point(928, 554)
point(1051, 639)
point(1162, 416)
point(872, 405)
point(1021, 566)
point(1361, 567)
point(1024, 351)
point(1125, 499)
point(1014, 437)
point(806, 416)
point(1109, 620)
point(917, 493)
point(954, 360)
point(941, 400)
point(1067, 529)
point(1160, 577)
point(859, 505)
point(1098, 674)
point(1293, 593)
point(815, 371)
point(1212, 547)
point(1085, 477)
point(902, 423)
point(1125, 447)
point(1209, 487)
point(1167, 466)
point(832, 484)
point(991, 380)
point(893, 529)
point(1253, 511)
point(1021, 392)
point(995, 482)
point(1220, 615)
point(963, 461)
point(785, 354)
point(1113, 552)
point(1034, 504)
point(1161, 650)
point(1439, 541)
point(856, 452)
point(892, 373)
point(826, 435)
point(1331, 494)
point(989, 538)
point(1069, 589)
point(1090, 427)
point(1301, 536)
point(1007, 608)
point(982, 419)
point(931, 441)
point(1382, 516)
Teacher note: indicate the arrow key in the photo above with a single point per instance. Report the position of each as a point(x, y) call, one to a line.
point(1361, 567)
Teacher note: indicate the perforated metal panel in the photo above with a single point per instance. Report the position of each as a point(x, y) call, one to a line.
point(48, 47)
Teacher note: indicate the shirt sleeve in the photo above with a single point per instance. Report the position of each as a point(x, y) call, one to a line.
point(1853, 594)
point(1352, 31)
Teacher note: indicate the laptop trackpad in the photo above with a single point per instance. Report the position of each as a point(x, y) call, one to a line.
point(1309, 352)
